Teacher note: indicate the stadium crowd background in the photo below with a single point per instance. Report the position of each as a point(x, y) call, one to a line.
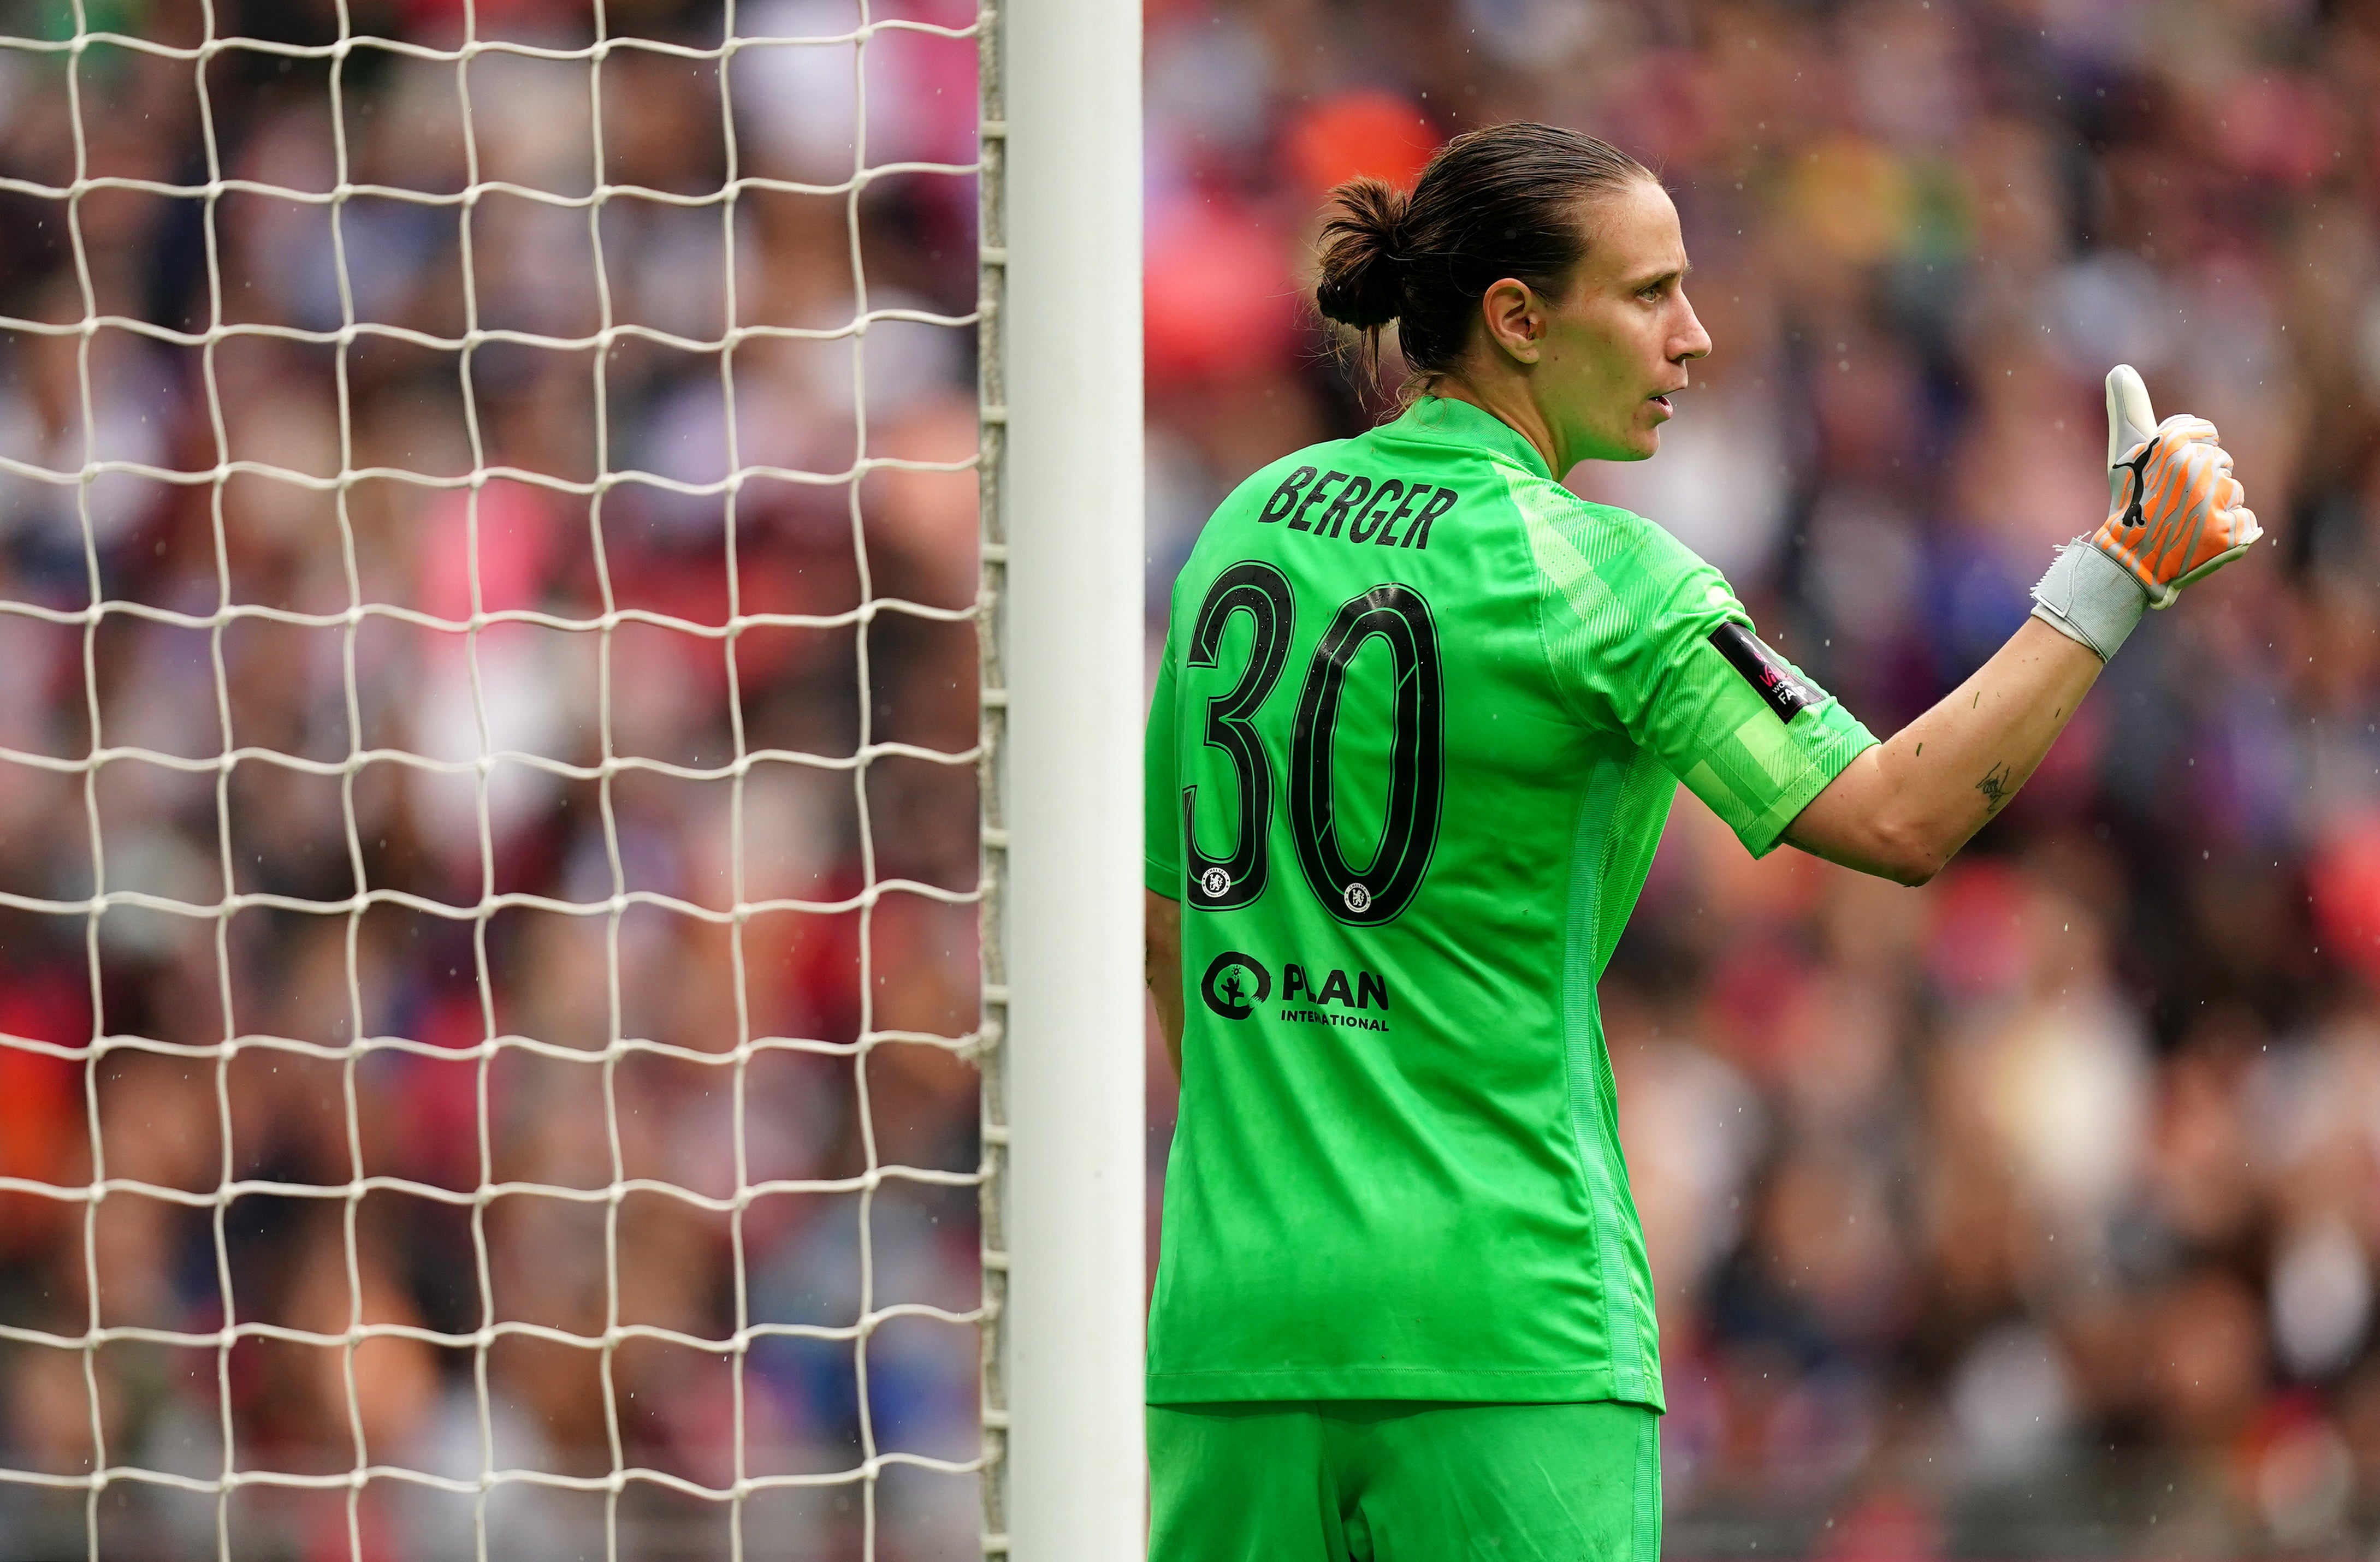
point(2033, 1212)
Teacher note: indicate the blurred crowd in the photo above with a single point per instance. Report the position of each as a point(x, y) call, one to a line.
point(2031, 1214)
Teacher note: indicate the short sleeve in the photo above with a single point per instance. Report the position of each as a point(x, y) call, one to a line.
point(1643, 635)
point(1161, 827)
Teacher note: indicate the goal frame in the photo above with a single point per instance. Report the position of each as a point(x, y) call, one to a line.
point(1063, 1084)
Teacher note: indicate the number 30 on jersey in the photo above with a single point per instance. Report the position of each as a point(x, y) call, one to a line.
point(1394, 614)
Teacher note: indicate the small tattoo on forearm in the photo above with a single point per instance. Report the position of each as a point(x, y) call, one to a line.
point(1995, 788)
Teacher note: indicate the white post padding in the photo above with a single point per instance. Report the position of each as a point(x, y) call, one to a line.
point(1072, 628)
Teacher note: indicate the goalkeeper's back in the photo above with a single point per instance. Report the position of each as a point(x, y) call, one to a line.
point(1419, 722)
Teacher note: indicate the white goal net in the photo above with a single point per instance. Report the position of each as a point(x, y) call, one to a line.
point(491, 1011)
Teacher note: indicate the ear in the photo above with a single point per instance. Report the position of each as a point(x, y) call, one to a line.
point(1516, 318)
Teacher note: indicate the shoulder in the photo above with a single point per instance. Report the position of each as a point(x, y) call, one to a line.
point(1587, 552)
point(1606, 535)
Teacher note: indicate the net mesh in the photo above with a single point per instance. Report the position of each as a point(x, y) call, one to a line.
point(489, 738)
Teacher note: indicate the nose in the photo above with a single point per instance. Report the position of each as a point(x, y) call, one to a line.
point(1693, 342)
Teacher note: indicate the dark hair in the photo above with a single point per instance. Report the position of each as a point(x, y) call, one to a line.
point(1492, 203)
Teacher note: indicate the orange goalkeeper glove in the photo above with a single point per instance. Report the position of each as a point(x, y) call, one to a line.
point(2175, 514)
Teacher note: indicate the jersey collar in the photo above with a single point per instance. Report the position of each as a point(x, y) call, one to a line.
point(1444, 420)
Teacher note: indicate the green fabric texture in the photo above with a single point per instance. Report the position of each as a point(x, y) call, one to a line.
point(1419, 722)
point(1367, 1480)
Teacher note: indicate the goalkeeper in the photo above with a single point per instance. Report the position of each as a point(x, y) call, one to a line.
point(1420, 719)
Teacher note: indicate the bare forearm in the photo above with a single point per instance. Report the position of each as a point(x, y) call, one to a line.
point(1162, 917)
point(1903, 809)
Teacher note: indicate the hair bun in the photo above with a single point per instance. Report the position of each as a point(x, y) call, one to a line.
point(1363, 278)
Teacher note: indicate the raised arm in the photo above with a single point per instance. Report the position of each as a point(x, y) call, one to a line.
point(1162, 918)
point(1902, 809)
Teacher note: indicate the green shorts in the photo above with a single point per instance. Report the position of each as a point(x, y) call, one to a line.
point(1403, 1480)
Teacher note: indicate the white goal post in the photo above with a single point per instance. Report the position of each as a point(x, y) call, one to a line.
point(1063, 504)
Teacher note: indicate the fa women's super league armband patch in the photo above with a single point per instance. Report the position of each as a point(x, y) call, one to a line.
point(1766, 671)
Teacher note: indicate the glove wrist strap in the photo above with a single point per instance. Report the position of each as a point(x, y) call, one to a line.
point(2088, 597)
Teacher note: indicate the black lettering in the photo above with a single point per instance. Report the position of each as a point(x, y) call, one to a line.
point(1284, 497)
point(1368, 986)
point(1298, 521)
point(1440, 504)
point(1363, 533)
point(1257, 589)
point(1417, 768)
point(1388, 493)
point(1335, 988)
point(1330, 520)
point(1388, 527)
point(1292, 982)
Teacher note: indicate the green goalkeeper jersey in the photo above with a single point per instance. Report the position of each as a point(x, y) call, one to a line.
point(1421, 715)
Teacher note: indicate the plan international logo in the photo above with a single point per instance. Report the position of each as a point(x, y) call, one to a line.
point(1236, 983)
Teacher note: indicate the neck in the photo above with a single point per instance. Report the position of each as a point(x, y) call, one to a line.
point(1510, 401)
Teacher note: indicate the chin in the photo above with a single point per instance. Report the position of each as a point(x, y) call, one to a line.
point(1626, 445)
